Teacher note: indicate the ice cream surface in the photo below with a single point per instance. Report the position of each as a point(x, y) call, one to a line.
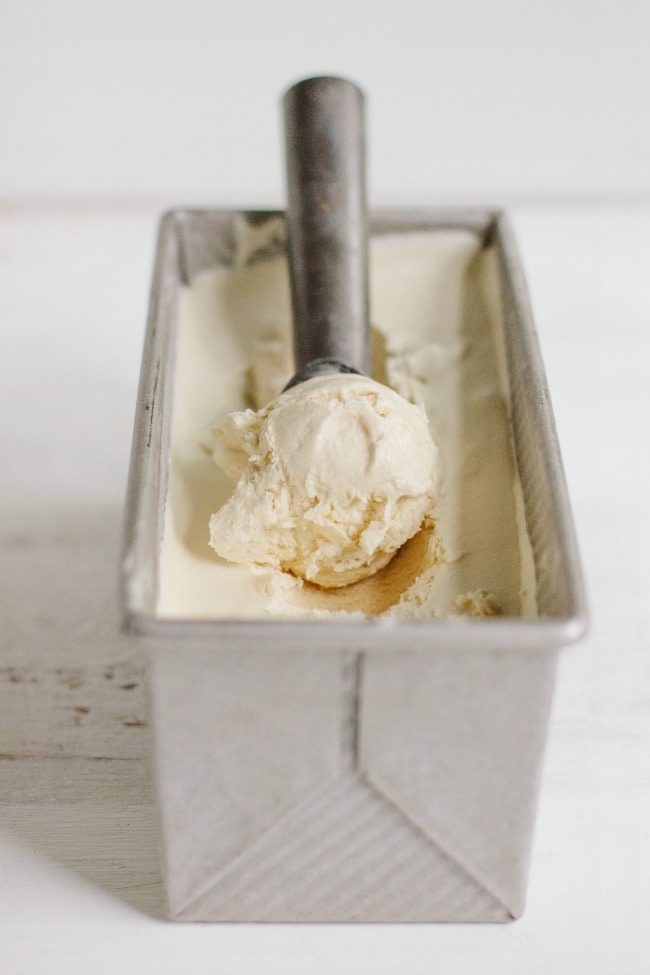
point(436, 313)
point(333, 476)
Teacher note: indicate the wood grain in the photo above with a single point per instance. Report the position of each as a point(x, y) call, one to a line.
point(75, 777)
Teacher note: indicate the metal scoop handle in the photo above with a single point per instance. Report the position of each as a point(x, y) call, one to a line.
point(326, 224)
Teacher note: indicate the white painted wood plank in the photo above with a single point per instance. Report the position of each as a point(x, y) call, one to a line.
point(112, 845)
point(53, 781)
point(96, 712)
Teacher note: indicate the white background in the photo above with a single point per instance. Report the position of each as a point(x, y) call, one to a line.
point(179, 99)
point(110, 112)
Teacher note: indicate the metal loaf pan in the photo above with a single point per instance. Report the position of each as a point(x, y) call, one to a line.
point(360, 770)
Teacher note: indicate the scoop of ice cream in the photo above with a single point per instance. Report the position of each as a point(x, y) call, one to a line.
point(333, 477)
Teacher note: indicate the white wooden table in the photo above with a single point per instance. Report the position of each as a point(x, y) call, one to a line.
point(79, 877)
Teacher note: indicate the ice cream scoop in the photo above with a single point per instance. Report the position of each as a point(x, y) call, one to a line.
point(339, 471)
point(326, 220)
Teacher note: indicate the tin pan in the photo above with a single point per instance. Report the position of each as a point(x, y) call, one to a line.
point(349, 770)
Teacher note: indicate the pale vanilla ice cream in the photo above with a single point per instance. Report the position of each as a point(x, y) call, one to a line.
point(435, 309)
point(333, 476)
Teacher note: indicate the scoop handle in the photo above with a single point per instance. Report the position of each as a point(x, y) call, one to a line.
point(326, 221)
